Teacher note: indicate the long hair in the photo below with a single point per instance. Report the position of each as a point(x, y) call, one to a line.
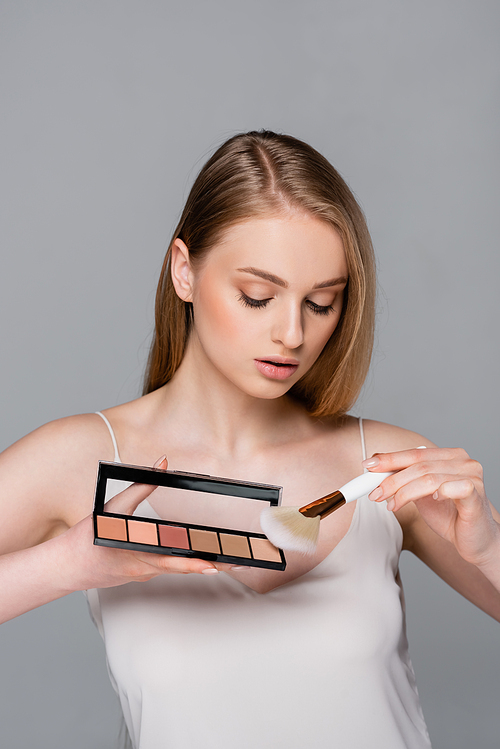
point(260, 174)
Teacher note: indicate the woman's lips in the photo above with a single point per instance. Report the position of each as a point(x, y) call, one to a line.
point(276, 369)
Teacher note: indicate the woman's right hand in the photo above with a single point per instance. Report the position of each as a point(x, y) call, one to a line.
point(38, 574)
point(90, 566)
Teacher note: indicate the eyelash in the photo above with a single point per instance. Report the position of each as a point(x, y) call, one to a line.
point(260, 303)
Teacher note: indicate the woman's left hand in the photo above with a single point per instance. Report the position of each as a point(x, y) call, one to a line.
point(447, 487)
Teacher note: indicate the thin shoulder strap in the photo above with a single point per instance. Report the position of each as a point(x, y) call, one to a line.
point(362, 436)
point(110, 429)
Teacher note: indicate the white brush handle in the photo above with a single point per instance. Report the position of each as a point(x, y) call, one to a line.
point(362, 485)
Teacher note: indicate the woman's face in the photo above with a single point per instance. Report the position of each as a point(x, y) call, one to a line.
point(266, 300)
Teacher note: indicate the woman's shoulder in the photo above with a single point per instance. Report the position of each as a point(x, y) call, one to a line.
point(72, 438)
point(384, 438)
point(60, 454)
point(80, 437)
point(381, 437)
point(48, 476)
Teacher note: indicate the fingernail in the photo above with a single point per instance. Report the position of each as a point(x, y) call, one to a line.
point(376, 494)
point(371, 462)
point(391, 504)
point(435, 495)
point(210, 571)
point(421, 447)
point(240, 567)
point(160, 461)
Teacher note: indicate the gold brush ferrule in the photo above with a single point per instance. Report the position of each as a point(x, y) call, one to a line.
point(324, 506)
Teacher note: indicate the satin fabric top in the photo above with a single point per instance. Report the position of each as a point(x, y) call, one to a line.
point(321, 661)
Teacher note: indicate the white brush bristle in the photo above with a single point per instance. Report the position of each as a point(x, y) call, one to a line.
point(288, 529)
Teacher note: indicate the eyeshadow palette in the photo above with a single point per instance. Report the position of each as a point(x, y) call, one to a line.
point(188, 515)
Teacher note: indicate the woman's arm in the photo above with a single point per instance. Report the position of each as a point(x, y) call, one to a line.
point(442, 557)
point(438, 496)
point(46, 538)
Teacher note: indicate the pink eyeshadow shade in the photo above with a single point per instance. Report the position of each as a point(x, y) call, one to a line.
point(263, 549)
point(142, 533)
point(113, 528)
point(171, 535)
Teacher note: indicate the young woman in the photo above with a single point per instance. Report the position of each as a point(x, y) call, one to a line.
point(264, 326)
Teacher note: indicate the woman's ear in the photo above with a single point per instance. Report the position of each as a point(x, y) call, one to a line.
point(180, 269)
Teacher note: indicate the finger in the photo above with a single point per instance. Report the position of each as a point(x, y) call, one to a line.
point(182, 565)
point(431, 485)
point(150, 565)
point(127, 501)
point(397, 461)
point(458, 490)
point(418, 488)
point(426, 470)
point(467, 500)
point(226, 567)
point(161, 463)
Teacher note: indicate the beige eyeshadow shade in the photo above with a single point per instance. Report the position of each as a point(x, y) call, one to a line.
point(204, 540)
point(142, 533)
point(234, 545)
point(113, 528)
point(263, 549)
point(171, 535)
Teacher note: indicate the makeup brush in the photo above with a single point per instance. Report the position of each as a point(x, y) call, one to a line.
point(297, 528)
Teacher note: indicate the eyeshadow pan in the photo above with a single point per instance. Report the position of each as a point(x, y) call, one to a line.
point(171, 535)
point(264, 549)
point(115, 528)
point(142, 533)
point(204, 540)
point(234, 545)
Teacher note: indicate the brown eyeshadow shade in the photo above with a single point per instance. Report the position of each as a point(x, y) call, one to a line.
point(142, 533)
point(235, 546)
point(263, 549)
point(113, 528)
point(204, 540)
point(171, 535)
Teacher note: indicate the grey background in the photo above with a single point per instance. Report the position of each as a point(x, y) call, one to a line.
point(108, 110)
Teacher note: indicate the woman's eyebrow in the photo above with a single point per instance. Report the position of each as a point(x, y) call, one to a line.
point(266, 276)
point(284, 284)
point(332, 282)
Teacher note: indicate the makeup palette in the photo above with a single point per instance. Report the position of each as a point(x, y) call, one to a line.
point(188, 515)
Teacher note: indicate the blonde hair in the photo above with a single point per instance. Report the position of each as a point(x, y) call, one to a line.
point(261, 174)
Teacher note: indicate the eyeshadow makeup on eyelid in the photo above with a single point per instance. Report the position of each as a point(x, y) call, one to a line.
point(317, 309)
point(259, 294)
point(189, 515)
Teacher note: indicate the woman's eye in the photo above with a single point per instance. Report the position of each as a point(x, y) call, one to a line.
point(318, 309)
point(247, 301)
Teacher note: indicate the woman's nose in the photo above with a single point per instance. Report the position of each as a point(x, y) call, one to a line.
point(288, 328)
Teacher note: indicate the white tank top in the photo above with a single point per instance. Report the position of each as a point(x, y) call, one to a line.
point(320, 662)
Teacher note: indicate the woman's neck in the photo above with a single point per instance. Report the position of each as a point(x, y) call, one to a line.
point(206, 408)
